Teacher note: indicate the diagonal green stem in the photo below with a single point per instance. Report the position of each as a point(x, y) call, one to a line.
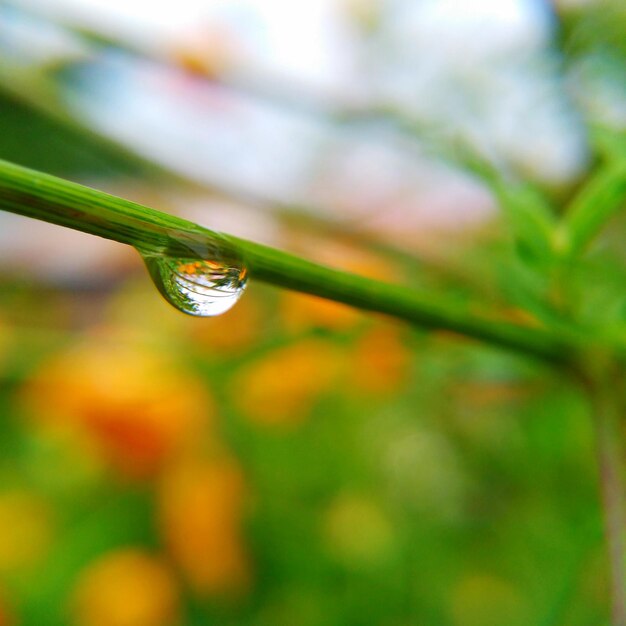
point(61, 202)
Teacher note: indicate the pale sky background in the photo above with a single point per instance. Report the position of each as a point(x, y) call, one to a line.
point(480, 71)
point(478, 68)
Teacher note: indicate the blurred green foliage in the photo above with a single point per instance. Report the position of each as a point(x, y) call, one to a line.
point(460, 491)
point(34, 140)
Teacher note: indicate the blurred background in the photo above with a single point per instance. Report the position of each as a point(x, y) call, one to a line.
point(294, 462)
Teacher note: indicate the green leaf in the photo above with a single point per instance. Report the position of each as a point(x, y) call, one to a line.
point(38, 141)
point(600, 198)
point(530, 216)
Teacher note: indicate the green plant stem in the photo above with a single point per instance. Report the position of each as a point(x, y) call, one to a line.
point(51, 199)
point(605, 396)
point(37, 93)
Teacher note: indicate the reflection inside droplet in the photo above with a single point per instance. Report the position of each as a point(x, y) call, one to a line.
point(199, 287)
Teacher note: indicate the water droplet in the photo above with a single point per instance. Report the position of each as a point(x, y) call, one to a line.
point(202, 287)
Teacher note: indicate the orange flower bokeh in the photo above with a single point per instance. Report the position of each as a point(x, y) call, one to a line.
point(200, 509)
point(380, 362)
point(281, 387)
point(136, 406)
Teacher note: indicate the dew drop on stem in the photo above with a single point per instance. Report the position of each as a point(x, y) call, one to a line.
point(197, 286)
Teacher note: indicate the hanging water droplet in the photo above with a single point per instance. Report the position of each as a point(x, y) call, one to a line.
point(202, 287)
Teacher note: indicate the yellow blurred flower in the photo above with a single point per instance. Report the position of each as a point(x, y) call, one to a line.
point(358, 531)
point(281, 387)
point(26, 530)
point(380, 363)
point(200, 512)
point(137, 406)
point(485, 600)
point(128, 587)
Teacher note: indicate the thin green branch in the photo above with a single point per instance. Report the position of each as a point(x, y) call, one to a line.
point(37, 195)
